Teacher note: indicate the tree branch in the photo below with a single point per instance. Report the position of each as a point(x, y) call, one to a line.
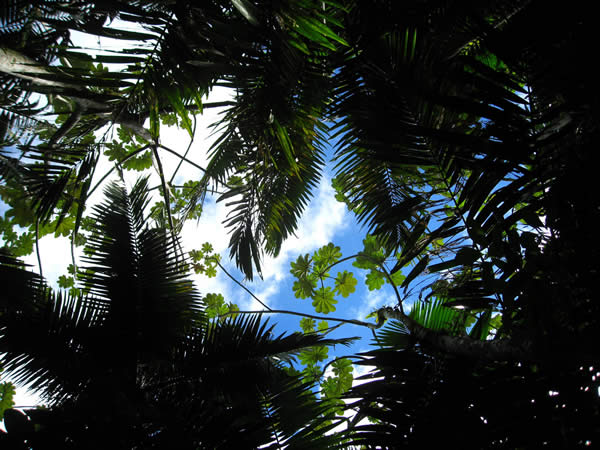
point(493, 350)
point(165, 188)
point(241, 285)
point(182, 158)
point(372, 326)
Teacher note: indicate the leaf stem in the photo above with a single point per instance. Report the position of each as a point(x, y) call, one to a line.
point(186, 151)
point(183, 158)
point(124, 160)
point(241, 285)
point(37, 246)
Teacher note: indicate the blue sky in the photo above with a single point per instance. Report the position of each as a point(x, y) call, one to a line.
point(324, 220)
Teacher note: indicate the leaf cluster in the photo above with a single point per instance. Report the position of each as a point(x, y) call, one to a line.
point(312, 271)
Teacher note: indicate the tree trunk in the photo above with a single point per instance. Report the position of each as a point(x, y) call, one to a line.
point(493, 350)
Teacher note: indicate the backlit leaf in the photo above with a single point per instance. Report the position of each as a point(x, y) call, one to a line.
point(324, 301)
point(345, 283)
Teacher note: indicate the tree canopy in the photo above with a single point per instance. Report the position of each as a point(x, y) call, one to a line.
point(465, 139)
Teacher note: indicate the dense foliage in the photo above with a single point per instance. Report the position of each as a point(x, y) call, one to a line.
point(466, 139)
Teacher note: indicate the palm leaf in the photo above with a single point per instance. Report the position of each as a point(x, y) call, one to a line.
point(44, 335)
point(244, 387)
point(137, 275)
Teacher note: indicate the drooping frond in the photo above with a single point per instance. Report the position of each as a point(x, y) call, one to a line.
point(441, 153)
point(272, 136)
point(137, 274)
point(44, 335)
point(234, 379)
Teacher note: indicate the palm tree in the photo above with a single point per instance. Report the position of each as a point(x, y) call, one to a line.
point(417, 395)
point(460, 131)
point(135, 362)
point(467, 140)
point(273, 56)
point(466, 145)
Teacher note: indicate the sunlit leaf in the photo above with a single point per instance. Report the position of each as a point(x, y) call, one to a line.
point(304, 287)
point(307, 324)
point(375, 280)
point(314, 355)
point(325, 257)
point(323, 326)
point(345, 283)
point(324, 301)
point(301, 267)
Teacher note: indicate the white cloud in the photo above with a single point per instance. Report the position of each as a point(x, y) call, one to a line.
point(373, 300)
point(55, 254)
point(178, 140)
point(323, 218)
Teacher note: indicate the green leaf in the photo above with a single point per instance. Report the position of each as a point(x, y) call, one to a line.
point(343, 367)
point(301, 267)
point(326, 256)
point(398, 277)
point(312, 372)
point(371, 255)
point(223, 309)
point(314, 355)
point(307, 325)
point(174, 98)
point(305, 287)
point(345, 283)
point(375, 280)
point(317, 32)
point(232, 308)
point(496, 321)
point(65, 281)
point(334, 387)
point(214, 305)
point(323, 326)
point(7, 393)
point(324, 301)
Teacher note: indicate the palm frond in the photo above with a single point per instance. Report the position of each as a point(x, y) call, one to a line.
point(44, 335)
point(136, 273)
point(232, 373)
point(438, 317)
point(448, 170)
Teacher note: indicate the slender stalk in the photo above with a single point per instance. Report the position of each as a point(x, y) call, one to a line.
point(241, 285)
point(195, 108)
point(73, 256)
point(37, 246)
point(328, 330)
point(182, 157)
point(124, 160)
point(161, 174)
point(186, 151)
